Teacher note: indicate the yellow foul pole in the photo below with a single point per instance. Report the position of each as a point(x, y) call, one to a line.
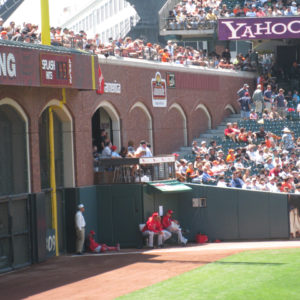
point(52, 179)
point(45, 20)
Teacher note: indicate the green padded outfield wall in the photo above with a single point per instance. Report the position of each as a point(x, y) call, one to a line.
point(235, 214)
point(112, 211)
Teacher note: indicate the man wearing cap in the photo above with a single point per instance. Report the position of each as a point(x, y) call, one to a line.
point(287, 139)
point(172, 226)
point(241, 92)
point(99, 248)
point(154, 227)
point(245, 106)
point(80, 229)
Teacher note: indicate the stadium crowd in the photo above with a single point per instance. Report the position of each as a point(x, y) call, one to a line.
point(203, 14)
point(127, 47)
point(266, 160)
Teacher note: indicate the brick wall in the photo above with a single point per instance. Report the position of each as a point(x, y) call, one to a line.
point(194, 90)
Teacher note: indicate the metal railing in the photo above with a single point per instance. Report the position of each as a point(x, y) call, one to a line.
point(134, 170)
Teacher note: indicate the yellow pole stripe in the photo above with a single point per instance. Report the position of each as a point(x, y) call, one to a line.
point(52, 179)
point(45, 20)
point(93, 72)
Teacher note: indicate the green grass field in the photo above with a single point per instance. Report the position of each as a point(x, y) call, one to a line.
point(267, 274)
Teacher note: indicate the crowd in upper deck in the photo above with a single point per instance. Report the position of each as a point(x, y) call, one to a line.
point(203, 14)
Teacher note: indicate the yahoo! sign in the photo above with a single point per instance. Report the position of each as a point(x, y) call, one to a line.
point(259, 28)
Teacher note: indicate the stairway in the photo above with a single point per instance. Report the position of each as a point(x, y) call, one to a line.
point(208, 136)
point(8, 7)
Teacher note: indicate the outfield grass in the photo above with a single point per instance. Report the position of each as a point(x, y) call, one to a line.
point(267, 274)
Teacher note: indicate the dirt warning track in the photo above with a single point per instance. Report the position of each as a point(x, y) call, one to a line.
point(107, 276)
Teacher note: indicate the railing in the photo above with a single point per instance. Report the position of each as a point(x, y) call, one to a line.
point(134, 170)
point(163, 14)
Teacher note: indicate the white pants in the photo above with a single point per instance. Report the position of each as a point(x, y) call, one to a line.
point(176, 229)
point(294, 222)
point(160, 237)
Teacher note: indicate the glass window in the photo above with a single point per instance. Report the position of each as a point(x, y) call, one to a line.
point(110, 8)
point(87, 23)
point(106, 10)
point(115, 6)
point(121, 4)
point(102, 13)
point(98, 15)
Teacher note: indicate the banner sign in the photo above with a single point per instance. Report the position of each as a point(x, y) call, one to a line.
point(159, 91)
point(56, 70)
point(21, 66)
point(259, 28)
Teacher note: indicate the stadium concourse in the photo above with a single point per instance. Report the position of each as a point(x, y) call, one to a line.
point(108, 276)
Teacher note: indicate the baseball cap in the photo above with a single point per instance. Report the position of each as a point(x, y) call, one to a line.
point(80, 206)
point(92, 232)
point(170, 211)
point(155, 214)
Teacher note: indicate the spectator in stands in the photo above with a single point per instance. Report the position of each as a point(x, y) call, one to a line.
point(268, 98)
point(143, 150)
point(229, 133)
point(106, 153)
point(226, 55)
point(287, 140)
point(258, 99)
point(195, 148)
point(280, 103)
point(236, 182)
point(191, 173)
point(245, 103)
point(241, 92)
point(114, 153)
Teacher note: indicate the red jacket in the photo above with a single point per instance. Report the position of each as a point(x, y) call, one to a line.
point(166, 221)
point(153, 225)
point(93, 244)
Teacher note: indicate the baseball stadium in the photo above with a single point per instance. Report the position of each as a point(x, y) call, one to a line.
point(150, 149)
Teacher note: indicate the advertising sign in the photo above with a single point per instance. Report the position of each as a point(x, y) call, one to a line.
point(50, 242)
point(259, 28)
point(56, 70)
point(159, 91)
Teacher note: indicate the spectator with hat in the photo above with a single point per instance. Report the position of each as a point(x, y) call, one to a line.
point(173, 226)
point(287, 139)
point(245, 102)
point(80, 229)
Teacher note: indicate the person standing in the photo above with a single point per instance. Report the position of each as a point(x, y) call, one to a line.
point(268, 98)
point(80, 229)
point(241, 92)
point(280, 103)
point(245, 106)
point(172, 225)
point(258, 99)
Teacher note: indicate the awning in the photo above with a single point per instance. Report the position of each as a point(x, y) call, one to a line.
point(169, 186)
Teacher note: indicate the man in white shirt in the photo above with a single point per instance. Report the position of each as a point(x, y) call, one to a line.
point(143, 150)
point(80, 229)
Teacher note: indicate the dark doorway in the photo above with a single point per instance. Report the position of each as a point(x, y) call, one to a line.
point(286, 55)
point(13, 152)
point(101, 121)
